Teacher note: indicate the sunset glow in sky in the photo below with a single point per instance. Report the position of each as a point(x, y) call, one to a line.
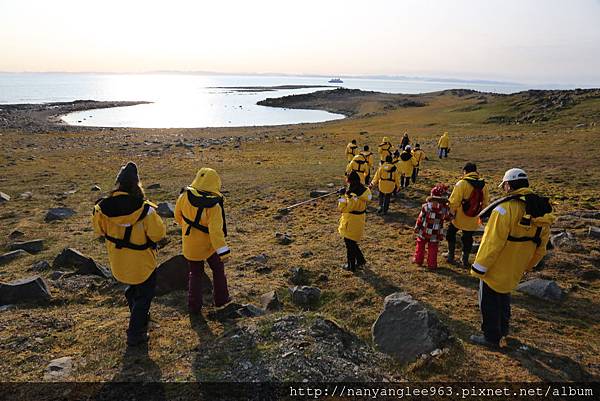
point(535, 41)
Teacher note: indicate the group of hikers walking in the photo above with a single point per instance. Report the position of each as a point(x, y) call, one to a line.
point(514, 239)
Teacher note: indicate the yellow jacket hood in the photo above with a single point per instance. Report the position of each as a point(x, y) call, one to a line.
point(207, 180)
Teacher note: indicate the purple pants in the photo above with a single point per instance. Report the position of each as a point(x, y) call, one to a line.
point(220, 291)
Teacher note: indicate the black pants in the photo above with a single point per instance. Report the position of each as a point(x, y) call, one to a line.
point(495, 313)
point(404, 181)
point(139, 297)
point(368, 179)
point(443, 152)
point(466, 239)
point(355, 256)
point(384, 201)
point(415, 174)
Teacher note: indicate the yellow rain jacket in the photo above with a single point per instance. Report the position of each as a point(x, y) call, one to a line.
point(444, 141)
point(353, 207)
point(419, 156)
point(122, 215)
point(369, 157)
point(384, 148)
point(406, 164)
point(199, 211)
point(351, 151)
point(359, 164)
point(502, 258)
point(462, 191)
point(387, 177)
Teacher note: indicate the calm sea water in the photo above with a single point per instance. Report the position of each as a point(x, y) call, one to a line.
point(185, 100)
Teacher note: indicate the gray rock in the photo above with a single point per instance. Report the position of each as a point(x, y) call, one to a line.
point(57, 275)
point(270, 302)
point(26, 195)
point(72, 258)
point(306, 254)
point(59, 368)
point(153, 186)
point(29, 289)
point(299, 276)
point(16, 234)
point(12, 255)
point(594, 232)
point(543, 289)
point(566, 241)
point(40, 266)
point(4, 197)
point(406, 329)
point(95, 188)
point(172, 275)
point(166, 209)
point(305, 296)
point(33, 246)
point(260, 258)
point(58, 213)
point(317, 193)
point(283, 238)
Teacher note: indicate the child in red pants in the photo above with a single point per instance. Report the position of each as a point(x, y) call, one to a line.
point(430, 225)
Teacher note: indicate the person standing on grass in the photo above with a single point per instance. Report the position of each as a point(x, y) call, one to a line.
point(369, 157)
point(384, 149)
point(388, 181)
point(405, 141)
point(469, 196)
point(444, 145)
point(360, 165)
point(131, 228)
point(406, 165)
point(201, 214)
point(353, 206)
point(430, 226)
point(514, 241)
point(351, 150)
point(419, 157)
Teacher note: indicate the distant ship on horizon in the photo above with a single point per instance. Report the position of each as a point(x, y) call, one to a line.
point(335, 81)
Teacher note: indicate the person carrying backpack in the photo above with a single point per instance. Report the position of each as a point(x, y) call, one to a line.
point(369, 157)
point(514, 241)
point(444, 145)
point(419, 156)
point(360, 165)
point(388, 181)
point(406, 165)
point(469, 196)
point(200, 213)
point(351, 150)
point(384, 149)
point(131, 228)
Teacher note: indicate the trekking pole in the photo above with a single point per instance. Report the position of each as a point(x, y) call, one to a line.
point(286, 210)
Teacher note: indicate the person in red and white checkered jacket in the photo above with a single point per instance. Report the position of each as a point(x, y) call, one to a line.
point(430, 225)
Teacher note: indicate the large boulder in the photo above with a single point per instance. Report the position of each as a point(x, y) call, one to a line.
point(12, 255)
point(29, 289)
point(306, 297)
point(58, 213)
point(544, 289)
point(172, 275)
point(72, 258)
point(33, 246)
point(406, 329)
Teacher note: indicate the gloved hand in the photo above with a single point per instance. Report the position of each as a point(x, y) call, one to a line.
point(342, 191)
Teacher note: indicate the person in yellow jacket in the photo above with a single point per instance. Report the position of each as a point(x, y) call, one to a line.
point(384, 149)
point(444, 145)
point(131, 228)
point(201, 214)
point(419, 157)
point(369, 157)
point(360, 165)
point(351, 150)
point(514, 241)
point(353, 206)
point(406, 165)
point(469, 197)
point(388, 180)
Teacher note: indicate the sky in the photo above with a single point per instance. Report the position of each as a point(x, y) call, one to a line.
point(526, 41)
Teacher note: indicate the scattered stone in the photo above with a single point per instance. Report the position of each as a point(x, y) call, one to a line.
point(59, 368)
point(594, 232)
point(57, 275)
point(26, 195)
point(166, 209)
point(306, 254)
point(406, 329)
point(283, 238)
point(153, 186)
point(40, 266)
point(96, 188)
point(330, 185)
point(260, 258)
point(33, 246)
point(305, 296)
point(10, 256)
point(4, 197)
point(172, 275)
point(317, 193)
point(58, 213)
point(544, 289)
point(270, 302)
point(84, 265)
point(30, 289)
point(299, 276)
point(16, 234)
point(566, 241)
point(249, 310)
point(263, 269)
point(322, 278)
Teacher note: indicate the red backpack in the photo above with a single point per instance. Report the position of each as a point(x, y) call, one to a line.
point(474, 205)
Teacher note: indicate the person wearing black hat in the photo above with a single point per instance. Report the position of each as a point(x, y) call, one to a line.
point(131, 228)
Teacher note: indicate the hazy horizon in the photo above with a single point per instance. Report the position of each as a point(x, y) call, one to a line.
point(530, 42)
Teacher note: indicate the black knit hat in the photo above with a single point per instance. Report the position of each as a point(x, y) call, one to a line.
point(128, 174)
point(353, 177)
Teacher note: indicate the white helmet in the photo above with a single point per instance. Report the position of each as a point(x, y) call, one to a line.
point(512, 175)
point(407, 148)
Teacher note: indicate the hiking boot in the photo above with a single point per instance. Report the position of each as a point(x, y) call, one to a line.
point(480, 339)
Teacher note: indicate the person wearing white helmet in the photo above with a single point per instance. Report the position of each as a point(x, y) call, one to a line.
point(514, 241)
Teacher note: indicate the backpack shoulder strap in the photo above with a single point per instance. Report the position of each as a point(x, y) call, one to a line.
point(485, 213)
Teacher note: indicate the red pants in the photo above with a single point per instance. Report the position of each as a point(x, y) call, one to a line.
point(432, 250)
point(220, 291)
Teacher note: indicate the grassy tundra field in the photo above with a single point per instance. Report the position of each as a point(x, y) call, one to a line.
point(552, 135)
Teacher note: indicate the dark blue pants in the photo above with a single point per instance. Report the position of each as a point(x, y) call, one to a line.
point(384, 201)
point(495, 313)
point(139, 297)
point(443, 152)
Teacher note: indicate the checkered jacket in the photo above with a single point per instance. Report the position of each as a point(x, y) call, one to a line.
point(430, 223)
